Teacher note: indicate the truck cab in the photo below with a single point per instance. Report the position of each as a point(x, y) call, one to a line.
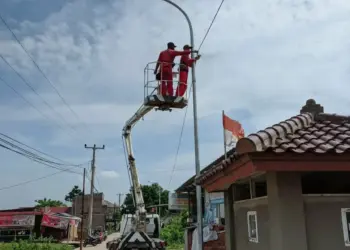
point(153, 228)
point(152, 225)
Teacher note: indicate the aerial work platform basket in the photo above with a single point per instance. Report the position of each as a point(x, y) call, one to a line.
point(154, 90)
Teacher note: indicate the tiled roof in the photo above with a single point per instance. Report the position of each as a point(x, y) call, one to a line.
point(300, 134)
point(190, 184)
point(311, 131)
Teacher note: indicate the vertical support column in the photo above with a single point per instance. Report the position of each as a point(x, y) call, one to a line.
point(286, 211)
point(230, 234)
point(186, 239)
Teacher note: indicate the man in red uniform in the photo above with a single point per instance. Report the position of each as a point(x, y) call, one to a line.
point(165, 63)
point(185, 62)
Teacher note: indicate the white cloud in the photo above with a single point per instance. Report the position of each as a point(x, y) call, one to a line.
point(263, 57)
point(110, 174)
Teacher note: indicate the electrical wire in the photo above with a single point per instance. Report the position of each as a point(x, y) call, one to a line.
point(184, 120)
point(98, 182)
point(89, 178)
point(38, 110)
point(38, 161)
point(30, 181)
point(180, 140)
point(40, 70)
point(32, 155)
point(206, 34)
point(64, 163)
point(36, 92)
point(5, 144)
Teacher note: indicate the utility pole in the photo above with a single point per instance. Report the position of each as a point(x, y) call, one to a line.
point(92, 186)
point(119, 203)
point(115, 217)
point(82, 213)
point(120, 194)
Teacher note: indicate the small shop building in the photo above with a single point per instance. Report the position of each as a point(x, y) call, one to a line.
point(287, 187)
point(23, 223)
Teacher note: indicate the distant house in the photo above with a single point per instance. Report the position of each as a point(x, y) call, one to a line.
point(102, 210)
point(22, 223)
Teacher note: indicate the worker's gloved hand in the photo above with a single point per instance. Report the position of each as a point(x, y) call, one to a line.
point(198, 57)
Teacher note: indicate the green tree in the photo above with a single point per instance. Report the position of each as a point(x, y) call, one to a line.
point(49, 203)
point(128, 206)
point(117, 215)
point(173, 233)
point(76, 191)
point(150, 196)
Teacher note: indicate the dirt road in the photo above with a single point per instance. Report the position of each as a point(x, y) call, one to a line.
point(101, 246)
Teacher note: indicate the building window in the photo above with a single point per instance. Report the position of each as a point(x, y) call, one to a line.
point(252, 226)
point(345, 218)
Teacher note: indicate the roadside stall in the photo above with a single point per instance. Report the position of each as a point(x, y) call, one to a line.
point(60, 226)
point(17, 225)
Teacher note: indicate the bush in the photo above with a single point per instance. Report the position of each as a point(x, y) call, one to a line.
point(173, 233)
point(27, 245)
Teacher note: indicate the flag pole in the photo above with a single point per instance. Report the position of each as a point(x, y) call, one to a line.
point(223, 129)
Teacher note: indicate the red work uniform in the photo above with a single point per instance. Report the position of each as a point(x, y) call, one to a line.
point(185, 62)
point(166, 59)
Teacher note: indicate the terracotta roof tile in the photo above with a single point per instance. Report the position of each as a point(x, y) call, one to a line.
point(302, 133)
point(311, 131)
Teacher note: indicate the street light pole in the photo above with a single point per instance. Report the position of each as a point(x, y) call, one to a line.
point(195, 124)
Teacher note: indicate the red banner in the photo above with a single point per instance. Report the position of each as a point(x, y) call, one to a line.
point(17, 220)
point(55, 221)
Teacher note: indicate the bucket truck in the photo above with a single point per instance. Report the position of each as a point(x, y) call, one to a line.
point(144, 230)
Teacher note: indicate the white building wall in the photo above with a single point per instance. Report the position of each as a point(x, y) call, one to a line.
point(216, 202)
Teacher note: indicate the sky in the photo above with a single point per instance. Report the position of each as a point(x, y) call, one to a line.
point(260, 63)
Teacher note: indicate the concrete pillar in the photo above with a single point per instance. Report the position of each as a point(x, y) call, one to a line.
point(230, 234)
point(286, 211)
point(186, 239)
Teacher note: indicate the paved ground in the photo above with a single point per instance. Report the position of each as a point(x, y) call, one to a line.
point(101, 246)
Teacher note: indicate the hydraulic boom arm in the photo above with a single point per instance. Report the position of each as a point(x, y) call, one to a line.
point(138, 196)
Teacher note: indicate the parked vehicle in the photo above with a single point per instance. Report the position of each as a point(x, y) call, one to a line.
point(105, 234)
point(92, 240)
point(101, 233)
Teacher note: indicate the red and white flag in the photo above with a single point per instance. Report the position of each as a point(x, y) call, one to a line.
point(233, 130)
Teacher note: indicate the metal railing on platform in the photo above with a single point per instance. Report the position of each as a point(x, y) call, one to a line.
point(153, 83)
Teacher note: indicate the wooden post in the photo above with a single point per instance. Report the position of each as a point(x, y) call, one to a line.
point(223, 128)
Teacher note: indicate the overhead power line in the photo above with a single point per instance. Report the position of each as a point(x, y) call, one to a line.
point(98, 182)
point(11, 146)
point(30, 181)
point(38, 161)
point(184, 119)
point(38, 110)
point(180, 140)
point(36, 92)
point(89, 179)
point(41, 71)
point(36, 150)
point(206, 34)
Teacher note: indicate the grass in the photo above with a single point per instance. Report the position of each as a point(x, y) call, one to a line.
point(25, 245)
point(175, 247)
